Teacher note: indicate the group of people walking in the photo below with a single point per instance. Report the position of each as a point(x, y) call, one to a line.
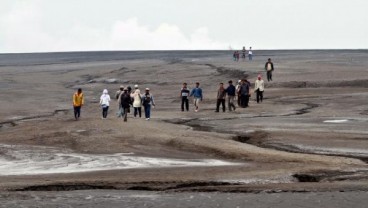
point(236, 54)
point(127, 97)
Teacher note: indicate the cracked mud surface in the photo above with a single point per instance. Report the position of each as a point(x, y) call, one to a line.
point(309, 134)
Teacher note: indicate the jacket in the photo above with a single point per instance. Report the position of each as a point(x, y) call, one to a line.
point(271, 66)
point(137, 99)
point(196, 93)
point(244, 89)
point(147, 99)
point(105, 99)
point(230, 90)
point(221, 94)
point(184, 92)
point(259, 84)
point(125, 100)
point(78, 100)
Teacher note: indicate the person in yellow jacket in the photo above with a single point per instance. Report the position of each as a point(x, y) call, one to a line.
point(78, 101)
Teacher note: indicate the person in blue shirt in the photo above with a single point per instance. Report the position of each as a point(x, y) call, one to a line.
point(230, 90)
point(197, 96)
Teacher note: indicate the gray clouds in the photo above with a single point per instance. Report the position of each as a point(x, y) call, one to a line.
point(79, 25)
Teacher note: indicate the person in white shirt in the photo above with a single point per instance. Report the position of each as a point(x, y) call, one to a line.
point(250, 54)
point(137, 102)
point(259, 88)
point(105, 103)
point(269, 68)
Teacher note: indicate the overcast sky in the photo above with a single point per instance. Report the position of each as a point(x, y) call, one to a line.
point(83, 25)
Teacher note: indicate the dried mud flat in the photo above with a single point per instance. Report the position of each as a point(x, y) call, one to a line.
point(309, 135)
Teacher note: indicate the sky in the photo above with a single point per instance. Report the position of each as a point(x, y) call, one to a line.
point(94, 25)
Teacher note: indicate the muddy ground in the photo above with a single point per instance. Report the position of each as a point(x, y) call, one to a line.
point(308, 135)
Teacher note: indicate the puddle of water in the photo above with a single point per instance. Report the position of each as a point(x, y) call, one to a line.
point(336, 121)
point(334, 150)
point(32, 160)
point(279, 179)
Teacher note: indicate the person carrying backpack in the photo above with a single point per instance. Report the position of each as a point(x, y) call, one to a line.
point(117, 97)
point(125, 102)
point(147, 101)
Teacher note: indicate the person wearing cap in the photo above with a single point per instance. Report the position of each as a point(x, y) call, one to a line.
point(137, 101)
point(230, 90)
point(105, 103)
point(184, 93)
point(197, 95)
point(147, 101)
point(78, 102)
point(117, 96)
point(125, 102)
point(259, 88)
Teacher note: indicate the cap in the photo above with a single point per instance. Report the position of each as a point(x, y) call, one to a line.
point(147, 88)
point(135, 86)
point(121, 86)
point(125, 89)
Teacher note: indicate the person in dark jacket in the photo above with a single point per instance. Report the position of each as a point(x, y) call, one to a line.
point(148, 102)
point(269, 68)
point(244, 93)
point(125, 102)
point(184, 93)
point(221, 95)
point(231, 91)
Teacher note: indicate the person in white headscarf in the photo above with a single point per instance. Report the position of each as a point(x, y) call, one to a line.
point(137, 101)
point(105, 103)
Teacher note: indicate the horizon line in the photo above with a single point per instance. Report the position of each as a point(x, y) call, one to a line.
point(163, 50)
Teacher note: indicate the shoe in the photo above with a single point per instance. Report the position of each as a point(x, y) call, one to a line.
point(196, 110)
point(147, 119)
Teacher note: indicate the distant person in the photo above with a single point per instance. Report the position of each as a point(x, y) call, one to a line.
point(234, 55)
point(184, 93)
point(148, 102)
point(237, 55)
point(269, 68)
point(244, 51)
point(125, 102)
point(117, 96)
point(105, 103)
point(237, 88)
point(197, 96)
point(250, 54)
point(78, 102)
point(244, 93)
point(259, 88)
point(137, 101)
point(221, 95)
point(231, 91)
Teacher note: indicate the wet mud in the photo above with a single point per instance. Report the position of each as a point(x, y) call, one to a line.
point(307, 136)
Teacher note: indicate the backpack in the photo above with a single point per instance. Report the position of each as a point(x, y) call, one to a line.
point(146, 99)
